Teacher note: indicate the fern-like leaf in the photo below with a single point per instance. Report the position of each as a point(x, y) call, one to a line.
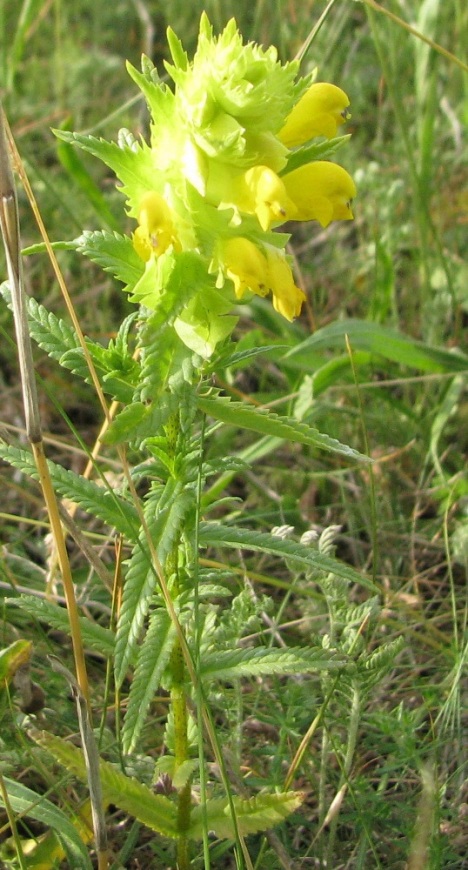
point(153, 657)
point(257, 814)
point(231, 664)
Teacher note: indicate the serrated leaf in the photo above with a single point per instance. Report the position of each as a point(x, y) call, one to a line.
point(232, 664)
point(61, 343)
point(159, 97)
point(231, 360)
point(155, 811)
point(153, 657)
point(257, 814)
point(138, 420)
point(85, 182)
point(114, 253)
point(95, 500)
point(94, 636)
point(266, 423)
point(314, 151)
point(141, 577)
point(28, 803)
point(134, 166)
point(51, 334)
point(218, 535)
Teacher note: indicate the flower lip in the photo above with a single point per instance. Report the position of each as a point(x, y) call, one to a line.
point(319, 112)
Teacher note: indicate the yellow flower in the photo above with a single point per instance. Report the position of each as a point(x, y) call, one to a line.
point(287, 297)
point(261, 191)
point(320, 112)
point(155, 233)
point(251, 270)
point(321, 191)
point(245, 265)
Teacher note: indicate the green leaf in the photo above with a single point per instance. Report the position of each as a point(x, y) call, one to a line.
point(165, 522)
point(159, 97)
point(314, 151)
point(118, 371)
point(153, 657)
point(51, 334)
point(155, 811)
point(218, 535)
point(96, 500)
point(266, 423)
point(94, 636)
point(85, 182)
point(231, 360)
point(257, 814)
point(380, 340)
point(139, 421)
point(35, 806)
point(134, 166)
point(114, 253)
point(231, 664)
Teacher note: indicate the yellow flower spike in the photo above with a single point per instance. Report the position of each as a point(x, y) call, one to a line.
point(156, 232)
point(321, 191)
point(319, 112)
point(287, 297)
point(245, 265)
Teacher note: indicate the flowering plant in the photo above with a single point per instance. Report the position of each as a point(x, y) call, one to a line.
point(230, 160)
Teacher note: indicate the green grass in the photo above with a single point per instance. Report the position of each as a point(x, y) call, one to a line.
point(391, 743)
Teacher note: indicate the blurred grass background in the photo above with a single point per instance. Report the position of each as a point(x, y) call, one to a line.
point(401, 264)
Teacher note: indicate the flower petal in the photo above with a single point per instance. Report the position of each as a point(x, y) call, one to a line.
point(156, 232)
point(245, 265)
point(287, 297)
point(319, 112)
point(321, 191)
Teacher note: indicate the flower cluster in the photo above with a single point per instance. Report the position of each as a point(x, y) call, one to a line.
point(228, 163)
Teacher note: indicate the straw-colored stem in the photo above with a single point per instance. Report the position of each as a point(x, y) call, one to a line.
point(65, 570)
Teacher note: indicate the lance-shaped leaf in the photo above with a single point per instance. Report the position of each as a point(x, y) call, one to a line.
point(155, 811)
point(95, 500)
point(28, 803)
point(153, 657)
point(231, 664)
point(266, 423)
point(257, 814)
point(218, 535)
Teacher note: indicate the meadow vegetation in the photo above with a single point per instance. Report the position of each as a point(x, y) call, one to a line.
point(378, 360)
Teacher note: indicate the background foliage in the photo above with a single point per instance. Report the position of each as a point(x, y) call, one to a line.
point(394, 282)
